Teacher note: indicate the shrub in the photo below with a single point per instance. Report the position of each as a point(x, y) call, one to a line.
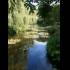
point(54, 49)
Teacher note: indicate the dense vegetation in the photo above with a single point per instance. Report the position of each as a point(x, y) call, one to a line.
point(19, 17)
point(50, 18)
point(54, 48)
point(54, 40)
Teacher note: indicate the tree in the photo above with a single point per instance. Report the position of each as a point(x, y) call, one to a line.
point(44, 9)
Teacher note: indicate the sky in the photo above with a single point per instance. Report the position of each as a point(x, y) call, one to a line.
point(53, 3)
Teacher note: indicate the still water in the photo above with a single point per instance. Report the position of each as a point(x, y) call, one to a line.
point(37, 59)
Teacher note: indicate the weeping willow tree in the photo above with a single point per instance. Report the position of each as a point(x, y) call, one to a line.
point(18, 17)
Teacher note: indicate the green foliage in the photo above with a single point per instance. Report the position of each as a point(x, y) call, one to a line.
point(43, 9)
point(54, 41)
point(18, 16)
point(54, 49)
point(29, 6)
point(56, 13)
point(49, 15)
point(43, 4)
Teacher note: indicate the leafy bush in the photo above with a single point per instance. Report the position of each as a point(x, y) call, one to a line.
point(54, 49)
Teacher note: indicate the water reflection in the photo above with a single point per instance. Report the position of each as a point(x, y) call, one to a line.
point(37, 57)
